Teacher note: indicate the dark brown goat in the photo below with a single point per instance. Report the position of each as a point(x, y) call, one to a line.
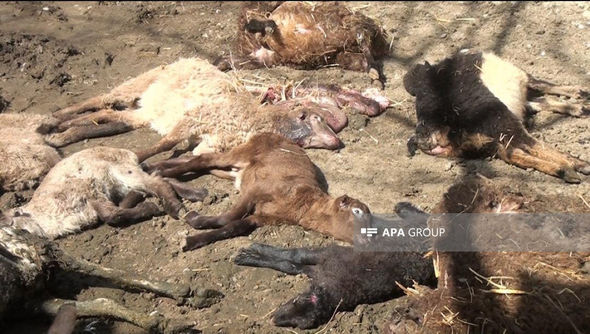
point(278, 184)
point(474, 104)
point(306, 36)
point(497, 292)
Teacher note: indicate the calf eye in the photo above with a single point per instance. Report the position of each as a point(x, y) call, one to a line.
point(129, 172)
point(357, 212)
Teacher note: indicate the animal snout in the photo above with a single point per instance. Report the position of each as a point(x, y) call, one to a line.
point(430, 140)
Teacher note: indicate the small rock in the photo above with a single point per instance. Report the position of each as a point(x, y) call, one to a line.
point(108, 59)
point(443, 36)
point(449, 166)
point(61, 79)
point(374, 74)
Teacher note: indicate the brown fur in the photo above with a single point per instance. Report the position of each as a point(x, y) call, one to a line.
point(278, 184)
point(555, 294)
point(309, 35)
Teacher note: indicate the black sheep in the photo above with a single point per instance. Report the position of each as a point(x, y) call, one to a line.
point(341, 278)
point(473, 105)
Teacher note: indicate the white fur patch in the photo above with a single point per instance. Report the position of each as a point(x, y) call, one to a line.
point(263, 55)
point(507, 82)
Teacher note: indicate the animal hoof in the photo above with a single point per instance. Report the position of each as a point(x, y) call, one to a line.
point(147, 167)
point(192, 243)
point(407, 210)
point(175, 210)
point(570, 176)
point(191, 216)
point(585, 170)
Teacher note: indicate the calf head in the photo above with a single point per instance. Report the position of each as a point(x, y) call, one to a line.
point(344, 217)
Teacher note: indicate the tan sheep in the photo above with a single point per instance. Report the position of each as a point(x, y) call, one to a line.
point(26, 156)
point(192, 100)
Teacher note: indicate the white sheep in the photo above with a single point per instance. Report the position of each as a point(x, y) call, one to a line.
point(82, 189)
point(26, 156)
point(192, 99)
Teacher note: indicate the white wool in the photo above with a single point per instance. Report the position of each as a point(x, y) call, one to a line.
point(507, 82)
point(61, 204)
point(26, 157)
point(183, 88)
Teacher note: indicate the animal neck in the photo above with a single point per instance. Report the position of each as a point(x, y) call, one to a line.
point(263, 118)
point(318, 216)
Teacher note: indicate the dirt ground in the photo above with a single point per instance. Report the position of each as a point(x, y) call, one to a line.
point(53, 54)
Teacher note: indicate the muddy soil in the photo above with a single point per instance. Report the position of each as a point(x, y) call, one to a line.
point(53, 54)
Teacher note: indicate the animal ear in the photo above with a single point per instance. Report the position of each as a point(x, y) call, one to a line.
point(345, 201)
point(427, 64)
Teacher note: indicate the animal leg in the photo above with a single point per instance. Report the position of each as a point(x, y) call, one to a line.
point(117, 278)
point(151, 167)
point(92, 104)
point(199, 163)
point(65, 320)
point(132, 199)
point(165, 144)
point(554, 104)
point(79, 133)
point(165, 192)
point(187, 192)
point(549, 88)
point(103, 307)
point(290, 261)
point(117, 216)
point(521, 158)
point(244, 207)
point(233, 229)
point(99, 117)
point(543, 151)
